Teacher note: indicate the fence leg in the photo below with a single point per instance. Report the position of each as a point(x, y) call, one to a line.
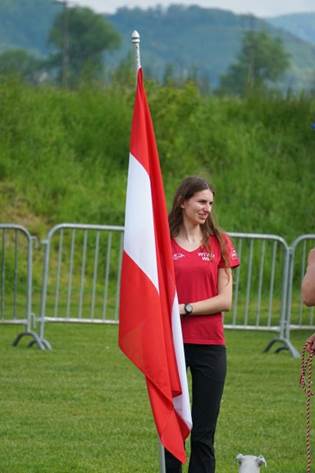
point(284, 335)
point(35, 339)
point(43, 296)
point(285, 345)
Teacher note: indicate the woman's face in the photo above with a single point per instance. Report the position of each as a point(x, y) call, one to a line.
point(197, 208)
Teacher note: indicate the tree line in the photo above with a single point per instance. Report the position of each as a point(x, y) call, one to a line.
point(80, 39)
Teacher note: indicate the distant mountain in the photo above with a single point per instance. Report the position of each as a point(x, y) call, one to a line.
point(302, 25)
point(192, 39)
point(207, 40)
point(25, 24)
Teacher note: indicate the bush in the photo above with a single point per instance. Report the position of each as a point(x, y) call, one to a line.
point(64, 154)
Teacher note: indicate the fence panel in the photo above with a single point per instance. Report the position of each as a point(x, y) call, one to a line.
point(299, 316)
point(261, 286)
point(16, 255)
point(81, 274)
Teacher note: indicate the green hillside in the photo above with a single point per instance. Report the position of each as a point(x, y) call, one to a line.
point(64, 155)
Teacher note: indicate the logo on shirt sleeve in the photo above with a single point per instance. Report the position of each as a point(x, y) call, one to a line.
point(234, 254)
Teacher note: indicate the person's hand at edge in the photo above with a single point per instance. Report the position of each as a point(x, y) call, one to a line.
point(310, 344)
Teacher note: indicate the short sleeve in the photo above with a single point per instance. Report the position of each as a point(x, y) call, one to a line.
point(232, 256)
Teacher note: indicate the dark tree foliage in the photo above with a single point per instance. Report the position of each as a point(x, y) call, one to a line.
point(80, 38)
point(20, 63)
point(261, 62)
point(124, 75)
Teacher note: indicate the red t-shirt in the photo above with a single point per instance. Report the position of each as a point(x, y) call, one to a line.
point(196, 274)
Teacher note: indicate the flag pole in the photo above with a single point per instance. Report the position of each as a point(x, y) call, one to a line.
point(135, 39)
point(162, 458)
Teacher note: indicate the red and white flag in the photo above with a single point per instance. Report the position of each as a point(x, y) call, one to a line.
point(149, 324)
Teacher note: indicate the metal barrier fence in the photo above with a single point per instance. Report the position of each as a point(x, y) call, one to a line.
point(16, 281)
point(81, 279)
point(261, 287)
point(81, 275)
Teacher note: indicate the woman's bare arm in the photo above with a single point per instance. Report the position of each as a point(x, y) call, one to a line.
point(220, 303)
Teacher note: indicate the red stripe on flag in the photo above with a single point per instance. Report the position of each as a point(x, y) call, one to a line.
point(142, 139)
point(172, 430)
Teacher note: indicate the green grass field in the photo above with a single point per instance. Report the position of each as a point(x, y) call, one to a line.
point(83, 407)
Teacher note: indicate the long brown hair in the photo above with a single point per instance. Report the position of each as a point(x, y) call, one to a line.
point(188, 187)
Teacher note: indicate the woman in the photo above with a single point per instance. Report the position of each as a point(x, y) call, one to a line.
point(203, 257)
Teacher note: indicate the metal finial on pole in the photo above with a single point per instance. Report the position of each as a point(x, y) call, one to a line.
point(135, 38)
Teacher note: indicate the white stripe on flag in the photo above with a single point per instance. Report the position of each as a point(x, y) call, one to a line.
point(139, 241)
point(181, 402)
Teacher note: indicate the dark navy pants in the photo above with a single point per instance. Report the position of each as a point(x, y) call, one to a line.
point(207, 364)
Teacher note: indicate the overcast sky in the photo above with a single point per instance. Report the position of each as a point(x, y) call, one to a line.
point(257, 7)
